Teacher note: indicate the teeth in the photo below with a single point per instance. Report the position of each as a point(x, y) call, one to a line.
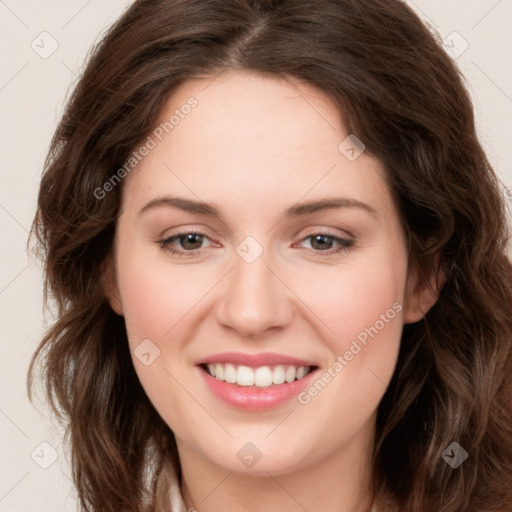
point(230, 373)
point(263, 377)
point(244, 376)
point(301, 372)
point(219, 371)
point(278, 376)
point(291, 373)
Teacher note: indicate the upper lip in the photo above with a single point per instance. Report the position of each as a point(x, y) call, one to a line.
point(254, 360)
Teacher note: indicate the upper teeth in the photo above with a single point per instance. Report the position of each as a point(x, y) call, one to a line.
point(262, 376)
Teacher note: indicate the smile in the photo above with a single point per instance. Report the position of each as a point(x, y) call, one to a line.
point(261, 377)
point(255, 382)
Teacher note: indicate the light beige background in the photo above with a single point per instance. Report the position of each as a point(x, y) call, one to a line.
point(32, 92)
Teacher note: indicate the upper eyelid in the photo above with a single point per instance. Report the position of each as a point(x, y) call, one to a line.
point(186, 232)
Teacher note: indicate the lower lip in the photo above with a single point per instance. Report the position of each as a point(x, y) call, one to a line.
point(254, 398)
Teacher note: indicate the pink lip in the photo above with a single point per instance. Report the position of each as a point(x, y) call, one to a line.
point(251, 398)
point(254, 360)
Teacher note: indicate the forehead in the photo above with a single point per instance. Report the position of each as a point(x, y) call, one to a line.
point(252, 136)
point(253, 108)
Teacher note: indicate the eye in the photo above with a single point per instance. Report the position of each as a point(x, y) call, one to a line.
point(191, 242)
point(322, 242)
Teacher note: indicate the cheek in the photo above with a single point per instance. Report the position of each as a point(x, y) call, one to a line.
point(363, 306)
point(155, 296)
point(352, 298)
point(145, 297)
point(158, 306)
point(363, 310)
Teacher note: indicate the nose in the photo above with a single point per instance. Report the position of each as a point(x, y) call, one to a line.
point(255, 298)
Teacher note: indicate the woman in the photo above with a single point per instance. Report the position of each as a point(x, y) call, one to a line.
point(338, 335)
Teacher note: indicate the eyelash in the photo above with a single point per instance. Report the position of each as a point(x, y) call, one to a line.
point(165, 244)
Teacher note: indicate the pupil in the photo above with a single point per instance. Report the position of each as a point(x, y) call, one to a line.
point(190, 239)
point(322, 239)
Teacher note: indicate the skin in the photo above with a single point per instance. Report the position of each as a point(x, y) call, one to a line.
point(256, 145)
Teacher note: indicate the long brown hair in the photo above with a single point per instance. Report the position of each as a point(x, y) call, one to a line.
point(403, 96)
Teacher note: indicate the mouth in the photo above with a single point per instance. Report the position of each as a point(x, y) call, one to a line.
point(256, 377)
point(255, 382)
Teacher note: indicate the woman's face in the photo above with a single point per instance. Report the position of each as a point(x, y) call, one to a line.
point(270, 283)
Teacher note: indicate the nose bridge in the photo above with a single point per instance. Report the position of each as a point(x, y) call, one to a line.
point(254, 298)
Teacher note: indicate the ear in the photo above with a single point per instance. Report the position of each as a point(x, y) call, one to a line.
point(109, 284)
point(422, 292)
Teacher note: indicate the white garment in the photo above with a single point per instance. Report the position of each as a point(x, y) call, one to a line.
point(176, 499)
point(168, 492)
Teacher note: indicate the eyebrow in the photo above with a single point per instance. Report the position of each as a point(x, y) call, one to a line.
point(297, 210)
